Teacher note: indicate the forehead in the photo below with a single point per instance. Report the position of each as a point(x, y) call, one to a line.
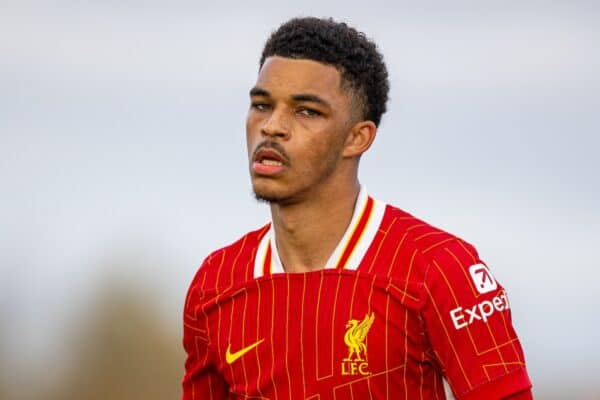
point(281, 76)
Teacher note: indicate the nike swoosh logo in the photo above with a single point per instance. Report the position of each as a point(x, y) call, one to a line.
point(231, 357)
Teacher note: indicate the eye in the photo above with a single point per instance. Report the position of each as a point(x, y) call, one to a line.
point(309, 112)
point(259, 106)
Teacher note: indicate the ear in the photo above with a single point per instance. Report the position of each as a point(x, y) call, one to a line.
point(360, 138)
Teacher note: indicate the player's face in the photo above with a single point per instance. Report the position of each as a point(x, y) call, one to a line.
point(296, 127)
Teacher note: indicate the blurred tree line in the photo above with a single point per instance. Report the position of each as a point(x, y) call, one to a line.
point(124, 352)
point(120, 350)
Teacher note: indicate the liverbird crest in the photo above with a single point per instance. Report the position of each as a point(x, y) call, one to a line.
point(355, 337)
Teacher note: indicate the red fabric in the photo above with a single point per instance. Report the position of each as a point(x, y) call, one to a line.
point(505, 388)
point(525, 395)
point(470, 331)
point(289, 334)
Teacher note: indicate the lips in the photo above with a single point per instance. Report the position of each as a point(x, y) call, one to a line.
point(266, 155)
point(268, 162)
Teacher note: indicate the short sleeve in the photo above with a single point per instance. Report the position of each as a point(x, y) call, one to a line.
point(467, 317)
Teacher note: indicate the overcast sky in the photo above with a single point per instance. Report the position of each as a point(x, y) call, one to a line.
point(122, 152)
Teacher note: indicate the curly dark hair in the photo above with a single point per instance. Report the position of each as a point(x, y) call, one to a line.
point(335, 43)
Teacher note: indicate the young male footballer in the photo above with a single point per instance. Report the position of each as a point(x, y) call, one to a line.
point(340, 296)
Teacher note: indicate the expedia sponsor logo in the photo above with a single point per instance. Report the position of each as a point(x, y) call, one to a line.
point(483, 279)
point(462, 317)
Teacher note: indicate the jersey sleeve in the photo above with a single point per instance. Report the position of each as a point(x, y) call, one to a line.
point(201, 380)
point(467, 317)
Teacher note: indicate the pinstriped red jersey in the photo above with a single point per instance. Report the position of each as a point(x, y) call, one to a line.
point(400, 308)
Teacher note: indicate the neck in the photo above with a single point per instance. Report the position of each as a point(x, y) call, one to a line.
point(308, 232)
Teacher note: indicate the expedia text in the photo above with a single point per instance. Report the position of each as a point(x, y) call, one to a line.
point(462, 317)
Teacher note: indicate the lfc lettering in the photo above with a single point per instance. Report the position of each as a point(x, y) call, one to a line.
point(354, 368)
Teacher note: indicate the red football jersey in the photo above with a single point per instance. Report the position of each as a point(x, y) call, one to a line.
point(400, 309)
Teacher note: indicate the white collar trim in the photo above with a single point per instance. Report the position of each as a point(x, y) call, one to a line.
point(353, 256)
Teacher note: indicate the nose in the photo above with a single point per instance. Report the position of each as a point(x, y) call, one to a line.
point(276, 125)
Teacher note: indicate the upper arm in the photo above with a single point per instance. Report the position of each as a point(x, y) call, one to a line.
point(468, 321)
point(201, 379)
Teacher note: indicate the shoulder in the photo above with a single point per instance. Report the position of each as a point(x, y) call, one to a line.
point(421, 245)
point(465, 311)
point(229, 264)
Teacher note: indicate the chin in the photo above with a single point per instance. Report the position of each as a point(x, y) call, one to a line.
point(267, 199)
point(270, 195)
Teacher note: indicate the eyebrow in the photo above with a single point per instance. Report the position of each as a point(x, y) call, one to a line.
point(257, 91)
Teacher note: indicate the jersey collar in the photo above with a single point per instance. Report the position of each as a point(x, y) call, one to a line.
point(349, 252)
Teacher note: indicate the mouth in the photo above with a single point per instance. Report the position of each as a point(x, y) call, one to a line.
point(268, 162)
point(269, 156)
